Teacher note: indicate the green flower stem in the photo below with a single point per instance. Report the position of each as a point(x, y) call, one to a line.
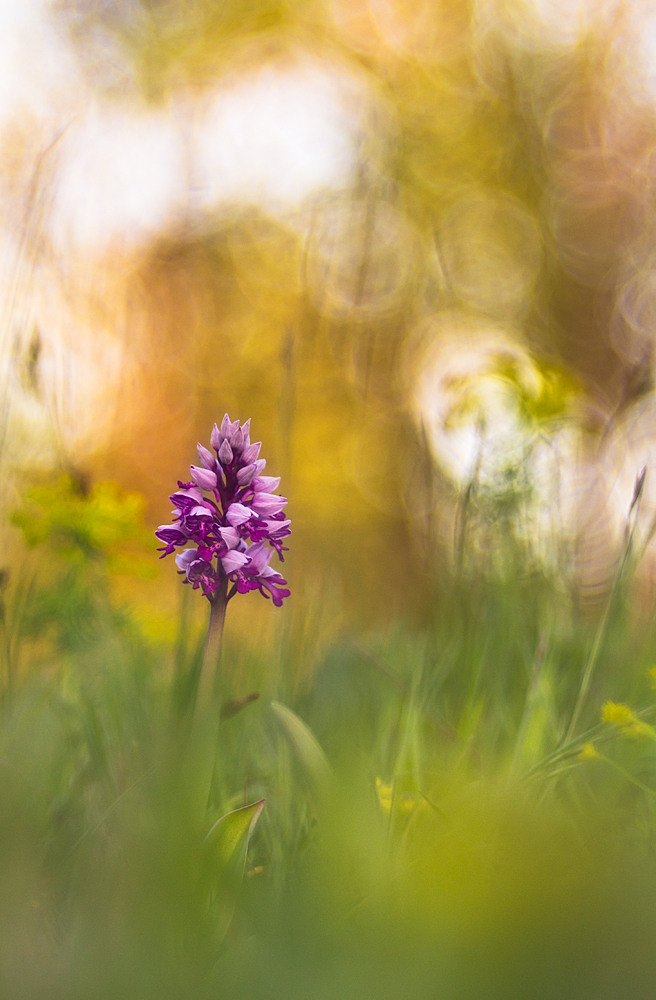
point(209, 669)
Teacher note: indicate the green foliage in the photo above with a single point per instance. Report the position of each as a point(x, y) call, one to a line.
point(308, 753)
point(83, 535)
point(80, 522)
point(227, 843)
point(413, 819)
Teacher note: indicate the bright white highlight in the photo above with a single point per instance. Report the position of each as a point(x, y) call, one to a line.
point(467, 407)
point(36, 66)
point(272, 138)
point(120, 178)
point(468, 401)
point(275, 136)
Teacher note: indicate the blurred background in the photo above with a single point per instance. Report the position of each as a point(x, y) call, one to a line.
point(413, 240)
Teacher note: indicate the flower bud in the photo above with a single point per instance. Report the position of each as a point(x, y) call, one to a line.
point(250, 453)
point(207, 459)
point(237, 440)
point(245, 475)
point(206, 480)
point(225, 453)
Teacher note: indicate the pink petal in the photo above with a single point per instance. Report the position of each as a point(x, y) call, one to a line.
point(184, 559)
point(277, 525)
point(230, 536)
point(267, 504)
point(238, 514)
point(266, 484)
point(200, 511)
point(233, 560)
point(259, 558)
point(193, 493)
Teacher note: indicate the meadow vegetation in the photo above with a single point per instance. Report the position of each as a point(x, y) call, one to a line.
point(409, 818)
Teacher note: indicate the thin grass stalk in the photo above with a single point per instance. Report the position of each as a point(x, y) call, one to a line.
point(539, 663)
point(601, 630)
point(462, 514)
point(599, 733)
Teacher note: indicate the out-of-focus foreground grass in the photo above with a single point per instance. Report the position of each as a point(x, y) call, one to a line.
point(427, 828)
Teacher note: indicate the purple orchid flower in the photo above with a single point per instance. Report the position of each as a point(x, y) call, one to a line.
point(232, 517)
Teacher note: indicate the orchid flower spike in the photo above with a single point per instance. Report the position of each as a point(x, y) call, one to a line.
point(228, 521)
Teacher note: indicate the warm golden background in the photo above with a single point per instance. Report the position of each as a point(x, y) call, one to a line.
point(413, 240)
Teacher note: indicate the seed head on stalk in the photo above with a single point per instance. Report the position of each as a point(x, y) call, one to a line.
point(228, 521)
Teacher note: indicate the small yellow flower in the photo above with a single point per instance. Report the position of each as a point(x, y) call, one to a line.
point(384, 793)
point(588, 752)
point(621, 715)
point(617, 714)
point(404, 803)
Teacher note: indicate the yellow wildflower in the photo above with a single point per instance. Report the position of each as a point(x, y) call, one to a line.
point(617, 714)
point(404, 803)
point(621, 715)
point(588, 752)
point(384, 793)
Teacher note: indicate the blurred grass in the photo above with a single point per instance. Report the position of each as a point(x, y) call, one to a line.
point(425, 831)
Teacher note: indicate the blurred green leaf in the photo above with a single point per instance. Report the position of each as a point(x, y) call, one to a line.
point(304, 744)
point(222, 868)
point(226, 845)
